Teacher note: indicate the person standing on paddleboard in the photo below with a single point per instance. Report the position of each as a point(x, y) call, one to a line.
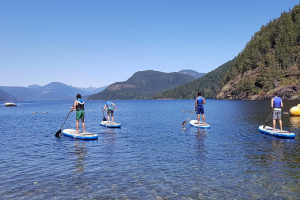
point(276, 105)
point(110, 106)
point(79, 106)
point(199, 107)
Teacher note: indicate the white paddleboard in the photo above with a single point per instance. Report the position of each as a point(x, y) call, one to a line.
point(201, 125)
point(269, 130)
point(85, 136)
point(110, 124)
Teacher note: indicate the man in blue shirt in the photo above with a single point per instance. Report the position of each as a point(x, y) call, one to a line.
point(276, 105)
point(199, 107)
point(110, 106)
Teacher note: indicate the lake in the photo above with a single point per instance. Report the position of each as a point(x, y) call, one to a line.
point(150, 156)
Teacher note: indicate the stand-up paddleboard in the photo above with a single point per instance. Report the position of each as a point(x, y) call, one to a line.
point(195, 124)
point(110, 124)
point(85, 136)
point(277, 132)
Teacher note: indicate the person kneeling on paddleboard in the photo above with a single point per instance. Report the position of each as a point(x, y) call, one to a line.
point(276, 105)
point(110, 106)
point(79, 106)
point(199, 107)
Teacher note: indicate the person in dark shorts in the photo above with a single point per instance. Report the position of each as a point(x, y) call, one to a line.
point(199, 107)
point(110, 106)
point(276, 104)
point(79, 106)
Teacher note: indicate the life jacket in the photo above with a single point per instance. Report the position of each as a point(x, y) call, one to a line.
point(80, 105)
point(277, 102)
point(199, 101)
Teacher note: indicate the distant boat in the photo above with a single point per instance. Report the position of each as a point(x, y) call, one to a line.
point(10, 104)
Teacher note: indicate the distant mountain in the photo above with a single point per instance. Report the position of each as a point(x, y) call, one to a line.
point(23, 93)
point(192, 73)
point(5, 96)
point(52, 91)
point(93, 90)
point(34, 86)
point(143, 85)
point(208, 85)
point(59, 88)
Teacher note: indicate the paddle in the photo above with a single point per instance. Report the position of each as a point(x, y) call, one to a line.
point(104, 119)
point(58, 133)
point(267, 120)
point(184, 123)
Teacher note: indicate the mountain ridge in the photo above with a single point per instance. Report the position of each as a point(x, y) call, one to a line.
point(208, 85)
point(52, 91)
point(142, 85)
point(192, 73)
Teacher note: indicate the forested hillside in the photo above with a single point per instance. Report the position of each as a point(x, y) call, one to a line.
point(143, 85)
point(270, 62)
point(209, 85)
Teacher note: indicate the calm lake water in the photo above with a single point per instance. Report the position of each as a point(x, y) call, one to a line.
point(150, 157)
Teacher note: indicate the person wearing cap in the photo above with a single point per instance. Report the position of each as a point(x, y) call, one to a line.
point(276, 105)
point(110, 106)
point(79, 106)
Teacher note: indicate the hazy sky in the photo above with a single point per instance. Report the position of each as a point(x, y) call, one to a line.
point(99, 42)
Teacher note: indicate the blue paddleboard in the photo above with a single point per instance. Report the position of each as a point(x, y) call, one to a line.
point(110, 124)
point(85, 136)
point(277, 133)
point(201, 125)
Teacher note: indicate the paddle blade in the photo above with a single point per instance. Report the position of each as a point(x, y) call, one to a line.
point(183, 123)
point(58, 133)
point(104, 119)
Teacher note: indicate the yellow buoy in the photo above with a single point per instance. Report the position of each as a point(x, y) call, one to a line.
point(295, 111)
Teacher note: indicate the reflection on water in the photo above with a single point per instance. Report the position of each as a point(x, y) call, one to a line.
point(200, 146)
point(276, 157)
point(80, 152)
point(295, 121)
point(110, 136)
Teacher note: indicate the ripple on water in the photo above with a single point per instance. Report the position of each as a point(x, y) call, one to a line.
point(150, 157)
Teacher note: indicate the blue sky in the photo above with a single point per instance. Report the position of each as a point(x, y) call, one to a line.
point(99, 42)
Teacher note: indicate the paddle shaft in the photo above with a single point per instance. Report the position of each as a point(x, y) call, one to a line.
point(268, 119)
point(104, 119)
point(66, 119)
point(183, 124)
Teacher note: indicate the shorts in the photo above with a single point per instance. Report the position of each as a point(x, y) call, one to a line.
point(80, 114)
point(200, 110)
point(276, 114)
point(110, 111)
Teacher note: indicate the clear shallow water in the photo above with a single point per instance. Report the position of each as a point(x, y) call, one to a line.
point(150, 157)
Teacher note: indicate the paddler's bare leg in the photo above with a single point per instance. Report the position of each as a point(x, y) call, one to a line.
point(77, 125)
point(83, 124)
point(280, 123)
point(108, 117)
